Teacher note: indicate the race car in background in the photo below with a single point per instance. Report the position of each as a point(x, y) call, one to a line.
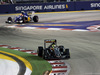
point(52, 51)
point(25, 17)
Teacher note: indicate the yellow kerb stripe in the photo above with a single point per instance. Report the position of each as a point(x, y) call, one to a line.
point(6, 57)
point(9, 58)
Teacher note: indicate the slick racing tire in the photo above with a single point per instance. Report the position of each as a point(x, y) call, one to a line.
point(40, 51)
point(61, 48)
point(9, 20)
point(45, 56)
point(24, 19)
point(35, 18)
point(67, 53)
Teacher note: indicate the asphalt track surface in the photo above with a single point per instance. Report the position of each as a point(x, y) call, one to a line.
point(84, 46)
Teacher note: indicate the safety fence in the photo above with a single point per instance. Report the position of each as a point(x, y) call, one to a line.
point(51, 7)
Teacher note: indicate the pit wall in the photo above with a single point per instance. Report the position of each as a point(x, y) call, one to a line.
point(50, 7)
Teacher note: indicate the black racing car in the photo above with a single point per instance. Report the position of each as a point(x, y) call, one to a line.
point(52, 51)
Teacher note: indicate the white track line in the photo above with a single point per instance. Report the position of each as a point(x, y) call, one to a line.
point(47, 28)
point(8, 67)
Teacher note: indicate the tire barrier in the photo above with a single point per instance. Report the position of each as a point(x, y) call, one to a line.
point(59, 67)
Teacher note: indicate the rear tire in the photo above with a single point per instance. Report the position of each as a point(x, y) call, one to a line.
point(9, 19)
point(44, 54)
point(35, 18)
point(23, 19)
point(40, 51)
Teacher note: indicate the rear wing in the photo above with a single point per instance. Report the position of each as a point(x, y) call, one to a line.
point(31, 13)
point(52, 41)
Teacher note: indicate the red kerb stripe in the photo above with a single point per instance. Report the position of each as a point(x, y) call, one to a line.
point(60, 67)
point(57, 63)
point(34, 53)
point(15, 48)
point(26, 50)
point(67, 29)
point(3, 45)
point(59, 71)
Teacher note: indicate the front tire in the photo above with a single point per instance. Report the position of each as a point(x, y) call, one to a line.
point(61, 48)
point(67, 53)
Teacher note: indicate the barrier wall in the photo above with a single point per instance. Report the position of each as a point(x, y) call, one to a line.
point(49, 7)
point(92, 5)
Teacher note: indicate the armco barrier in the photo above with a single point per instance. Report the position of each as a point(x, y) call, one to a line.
point(50, 7)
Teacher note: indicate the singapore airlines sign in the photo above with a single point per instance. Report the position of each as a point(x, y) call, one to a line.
point(95, 5)
point(41, 7)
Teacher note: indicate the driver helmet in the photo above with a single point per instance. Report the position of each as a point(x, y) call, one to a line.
point(53, 46)
point(22, 12)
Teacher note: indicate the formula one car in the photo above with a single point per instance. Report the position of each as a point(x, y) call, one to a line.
point(52, 51)
point(25, 17)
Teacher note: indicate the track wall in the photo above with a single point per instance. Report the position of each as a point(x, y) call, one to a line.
point(51, 7)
